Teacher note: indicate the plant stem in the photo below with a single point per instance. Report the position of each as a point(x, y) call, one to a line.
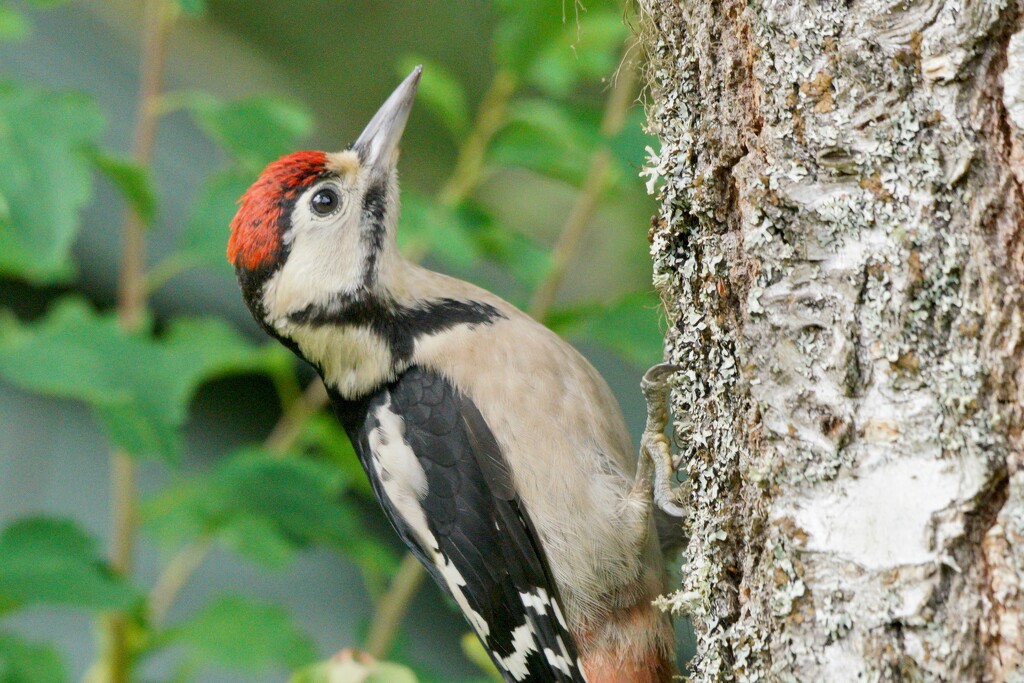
point(289, 426)
point(183, 565)
point(131, 310)
point(131, 305)
point(174, 577)
point(575, 226)
point(489, 118)
point(392, 606)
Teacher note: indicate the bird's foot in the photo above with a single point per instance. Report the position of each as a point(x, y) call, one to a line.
point(655, 452)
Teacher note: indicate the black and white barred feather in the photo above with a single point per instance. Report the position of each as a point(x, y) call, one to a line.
point(443, 482)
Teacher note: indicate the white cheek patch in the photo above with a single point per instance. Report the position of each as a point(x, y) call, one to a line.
point(325, 258)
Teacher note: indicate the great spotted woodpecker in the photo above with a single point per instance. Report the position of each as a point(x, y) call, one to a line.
point(496, 451)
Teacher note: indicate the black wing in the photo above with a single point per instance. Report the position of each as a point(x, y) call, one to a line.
point(444, 484)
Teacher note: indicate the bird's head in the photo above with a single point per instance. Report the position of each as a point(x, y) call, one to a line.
point(318, 226)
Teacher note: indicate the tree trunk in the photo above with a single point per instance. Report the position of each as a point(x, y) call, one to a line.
point(840, 251)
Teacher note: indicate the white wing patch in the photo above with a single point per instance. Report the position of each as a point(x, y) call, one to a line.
point(455, 582)
point(398, 469)
point(539, 601)
point(405, 484)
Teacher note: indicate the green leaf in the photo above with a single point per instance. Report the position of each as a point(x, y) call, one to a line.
point(193, 8)
point(590, 52)
point(14, 26)
point(139, 386)
point(449, 233)
point(323, 437)
point(52, 561)
point(476, 653)
point(442, 93)
point(524, 27)
point(245, 635)
point(22, 661)
point(205, 237)
point(630, 326)
point(41, 138)
point(546, 137)
point(526, 260)
point(254, 131)
point(132, 180)
point(266, 507)
point(345, 668)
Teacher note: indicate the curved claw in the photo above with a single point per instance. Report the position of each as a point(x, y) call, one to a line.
point(655, 447)
point(656, 377)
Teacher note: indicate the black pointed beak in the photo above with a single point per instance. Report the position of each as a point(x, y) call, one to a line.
point(377, 145)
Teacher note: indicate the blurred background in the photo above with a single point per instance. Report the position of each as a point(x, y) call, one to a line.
point(174, 505)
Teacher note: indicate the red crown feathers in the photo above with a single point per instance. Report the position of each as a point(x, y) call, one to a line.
point(255, 236)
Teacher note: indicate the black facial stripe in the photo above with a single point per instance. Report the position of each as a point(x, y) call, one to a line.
point(373, 228)
point(252, 281)
point(399, 325)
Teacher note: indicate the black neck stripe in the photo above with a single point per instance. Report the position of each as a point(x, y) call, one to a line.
point(399, 325)
point(373, 227)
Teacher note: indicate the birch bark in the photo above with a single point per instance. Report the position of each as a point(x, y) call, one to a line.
point(840, 248)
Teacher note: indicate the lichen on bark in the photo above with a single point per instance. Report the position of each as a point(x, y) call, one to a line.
point(839, 251)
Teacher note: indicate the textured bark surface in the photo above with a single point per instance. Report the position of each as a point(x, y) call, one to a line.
point(840, 251)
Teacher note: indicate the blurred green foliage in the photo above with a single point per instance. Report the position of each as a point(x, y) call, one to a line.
point(268, 501)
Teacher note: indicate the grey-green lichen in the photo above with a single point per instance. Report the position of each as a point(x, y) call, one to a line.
point(837, 209)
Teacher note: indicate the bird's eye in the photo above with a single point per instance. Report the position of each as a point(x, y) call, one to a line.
point(325, 201)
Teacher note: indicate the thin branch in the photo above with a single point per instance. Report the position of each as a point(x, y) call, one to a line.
point(489, 119)
point(131, 304)
point(131, 309)
point(174, 577)
point(288, 428)
point(575, 226)
point(176, 574)
point(392, 606)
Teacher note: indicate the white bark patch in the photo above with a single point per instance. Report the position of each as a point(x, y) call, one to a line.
point(884, 518)
point(838, 251)
point(1013, 80)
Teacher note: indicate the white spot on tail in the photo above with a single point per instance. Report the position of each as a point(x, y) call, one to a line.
point(558, 661)
point(558, 614)
point(538, 601)
point(523, 643)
